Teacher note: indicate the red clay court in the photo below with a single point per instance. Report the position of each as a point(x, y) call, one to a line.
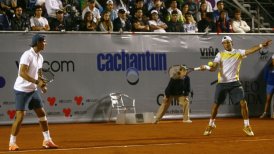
point(163, 138)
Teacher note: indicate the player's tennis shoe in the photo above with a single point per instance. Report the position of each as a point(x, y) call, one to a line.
point(248, 131)
point(13, 147)
point(49, 144)
point(209, 129)
point(263, 115)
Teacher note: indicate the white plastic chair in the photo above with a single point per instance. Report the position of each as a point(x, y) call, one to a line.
point(118, 104)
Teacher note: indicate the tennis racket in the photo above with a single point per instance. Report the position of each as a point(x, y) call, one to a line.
point(47, 75)
point(213, 82)
point(174, 71)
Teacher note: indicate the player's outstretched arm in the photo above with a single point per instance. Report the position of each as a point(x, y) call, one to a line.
point(258, 47)
point(212, 67)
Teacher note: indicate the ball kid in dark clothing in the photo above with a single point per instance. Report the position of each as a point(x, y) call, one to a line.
point(178, 88)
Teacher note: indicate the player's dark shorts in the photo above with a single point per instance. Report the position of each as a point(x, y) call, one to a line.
point(233, 89)
point(32, 99)
point(269, 89)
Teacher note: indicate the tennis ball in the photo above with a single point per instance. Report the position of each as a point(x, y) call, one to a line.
point(210, 63)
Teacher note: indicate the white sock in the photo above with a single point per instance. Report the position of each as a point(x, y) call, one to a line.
point(46, 135)
point(211, 122)
point(12, 139)
point(246, 122)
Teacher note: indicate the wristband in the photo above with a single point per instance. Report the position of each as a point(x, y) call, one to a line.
point(36, 82)
point(207, 67)
point(260, 45)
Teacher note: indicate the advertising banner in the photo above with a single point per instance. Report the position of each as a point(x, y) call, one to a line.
point(90, 66)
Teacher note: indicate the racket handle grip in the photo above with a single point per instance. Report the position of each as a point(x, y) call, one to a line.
point(199, 68)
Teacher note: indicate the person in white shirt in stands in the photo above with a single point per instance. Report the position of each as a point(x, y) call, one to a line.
point(91, 8)
point(110, 8)
point(189, 26)
point(155, 24)
point(239, 25)
point(52, 6)
point(38, 22)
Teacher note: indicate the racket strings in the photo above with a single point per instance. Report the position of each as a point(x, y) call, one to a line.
point(48, 76)
point(175, 71)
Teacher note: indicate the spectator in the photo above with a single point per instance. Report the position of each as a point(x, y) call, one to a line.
point(122, 23)
point(72, 14)
point(4, 19)
point(8, 6)
point(123, 4)
point(208, 5)
point(52, 6)
point(223, 25)
point(189, 26)
point(105, 25)
point(84, 3)
point(174, 25)
point(19, 22)
point(30, 6)
point(184, 12)
point(139, 23)
point(99, 6)
point(206, 24)
point(203, 9)
point(155, 24)
point(173, 7)
point(109, 8)
point(88, 24)
point(180, 3)
point(139, 4)
point(39, 2)
point(192, 8)
point(162, 11)
point(239, 25)
point(38, 22)
point(74, 4)
point(217, 13)
point(91, 7)
point(149, 4)
point(60, 23)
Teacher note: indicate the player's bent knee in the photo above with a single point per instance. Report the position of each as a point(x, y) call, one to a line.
point(44, 118)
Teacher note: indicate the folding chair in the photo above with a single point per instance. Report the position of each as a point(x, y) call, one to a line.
point(119, 104)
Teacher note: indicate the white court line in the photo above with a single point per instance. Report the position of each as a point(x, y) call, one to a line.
point(139, 145)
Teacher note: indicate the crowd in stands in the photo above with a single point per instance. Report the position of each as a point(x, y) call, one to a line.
point(188, 16)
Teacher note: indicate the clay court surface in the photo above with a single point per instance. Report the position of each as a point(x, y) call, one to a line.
point(163, 138)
